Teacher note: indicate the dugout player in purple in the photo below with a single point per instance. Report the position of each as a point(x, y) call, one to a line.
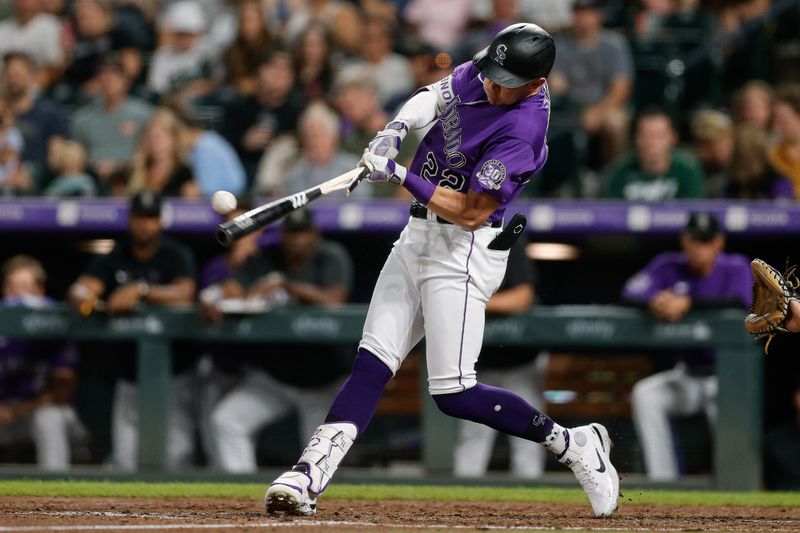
point(701, 275)
point(487, 141)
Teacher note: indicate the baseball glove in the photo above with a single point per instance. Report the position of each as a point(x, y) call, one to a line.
point(772, 292)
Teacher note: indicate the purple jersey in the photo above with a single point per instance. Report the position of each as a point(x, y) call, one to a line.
point(730, 279)
point(216, 271)
point(475, 145)
point(730, 282)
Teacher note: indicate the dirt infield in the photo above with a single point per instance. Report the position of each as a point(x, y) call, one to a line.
point(110, 514)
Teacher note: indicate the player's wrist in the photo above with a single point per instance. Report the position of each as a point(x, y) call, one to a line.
point(419, 187)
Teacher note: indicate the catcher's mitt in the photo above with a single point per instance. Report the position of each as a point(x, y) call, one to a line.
point(772, 292)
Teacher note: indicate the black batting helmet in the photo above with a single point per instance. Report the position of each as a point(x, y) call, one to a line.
point(518, 54)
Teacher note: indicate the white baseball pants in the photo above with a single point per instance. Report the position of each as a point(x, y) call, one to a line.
point(255, 402)
point(475, 441)
point(180, 429)
point(654, 399)
point(52, 428)
point(435, 282)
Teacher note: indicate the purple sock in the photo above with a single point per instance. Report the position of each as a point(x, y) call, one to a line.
point(357, 399)
point(499, 409)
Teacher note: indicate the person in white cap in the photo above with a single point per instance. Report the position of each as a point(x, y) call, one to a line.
point(186, 58)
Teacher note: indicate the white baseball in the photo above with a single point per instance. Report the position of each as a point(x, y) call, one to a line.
point(223, 202)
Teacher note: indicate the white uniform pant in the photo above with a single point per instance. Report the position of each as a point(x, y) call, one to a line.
point(475, 441)
point(256, 402)
point(51, 428)
point(180, 429)
point(435, 282)
point(654, 399)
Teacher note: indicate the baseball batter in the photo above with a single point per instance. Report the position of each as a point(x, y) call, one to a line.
point(488, 140)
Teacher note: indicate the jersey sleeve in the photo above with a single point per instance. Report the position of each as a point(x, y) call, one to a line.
point(183, 264)
point(643, 285)
point(740, 281)
point(338, 269)
point(504, 168)
point(102, 267)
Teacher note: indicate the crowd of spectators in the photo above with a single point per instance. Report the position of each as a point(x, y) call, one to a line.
point(262, 97)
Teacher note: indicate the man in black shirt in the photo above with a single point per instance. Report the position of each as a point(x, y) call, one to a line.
point(252, 122)
point(304, 270)
point(145, 268)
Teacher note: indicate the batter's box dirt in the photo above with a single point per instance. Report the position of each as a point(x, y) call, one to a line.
point(185, 514)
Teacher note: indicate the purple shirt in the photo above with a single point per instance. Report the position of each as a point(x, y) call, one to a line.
point(26, 364)
point(216, 271)
point(730, 279)
point(490, 149)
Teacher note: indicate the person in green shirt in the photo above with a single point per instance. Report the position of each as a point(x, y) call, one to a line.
point(655, 171)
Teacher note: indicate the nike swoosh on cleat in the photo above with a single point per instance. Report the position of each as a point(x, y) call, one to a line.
point(602, 464)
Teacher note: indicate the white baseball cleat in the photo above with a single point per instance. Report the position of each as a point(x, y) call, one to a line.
point(589, 457)
point(289, 494)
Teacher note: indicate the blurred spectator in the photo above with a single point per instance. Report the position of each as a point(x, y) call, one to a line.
point(655, 171)
point(687, 29)
point(390, 72)
point(110, 128)
point(320, 157)
point(14, 178)
point(781, 461)
point(37, 378)
point(552, 15)
point(313, 61)
point(342, 18)
point(440, 23)
point(594, 75)
point(145, 268)
point(751, 177)
point(503, 13)
point(507, 366)
point(252, 122)
point(97, 36)
point(37, 34)
point(701, 275)
point(39, 119)
point(68, 162)
point(184, 62)
point(752, 104)
point(712, 132)
point(157, 164)
point(784, 157)
point(305, 270)
point(252, 40)
point(355, 97)
point(212, 160)
point(427, 65)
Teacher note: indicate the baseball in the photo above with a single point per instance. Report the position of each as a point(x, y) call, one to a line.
point(223, 202)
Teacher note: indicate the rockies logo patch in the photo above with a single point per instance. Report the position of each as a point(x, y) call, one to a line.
point(492, 174)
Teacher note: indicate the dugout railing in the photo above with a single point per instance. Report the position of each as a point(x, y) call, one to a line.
point(737, 449)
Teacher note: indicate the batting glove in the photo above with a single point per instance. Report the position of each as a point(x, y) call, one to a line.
point(382, 169)
point(387, 142)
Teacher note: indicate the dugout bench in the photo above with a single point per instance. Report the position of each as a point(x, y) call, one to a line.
point(738, 437)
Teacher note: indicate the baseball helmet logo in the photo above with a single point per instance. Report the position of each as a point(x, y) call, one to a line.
point(500, 53)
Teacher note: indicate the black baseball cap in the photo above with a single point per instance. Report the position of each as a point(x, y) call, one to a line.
point(703, 226)
point(300, 220)
point(146, 204)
